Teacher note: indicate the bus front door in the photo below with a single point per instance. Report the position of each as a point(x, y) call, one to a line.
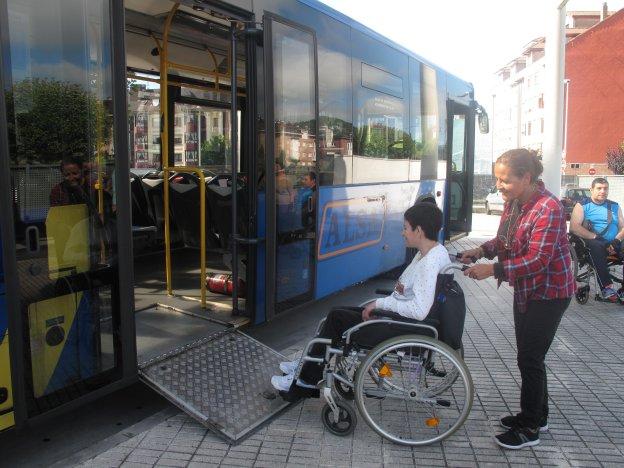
point(291, 146)
point(207, 367)
point(460, 165)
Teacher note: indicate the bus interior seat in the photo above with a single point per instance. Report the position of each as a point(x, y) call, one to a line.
point(152, 183)
point(219, 196)
point(142, 221)
point(184, 193)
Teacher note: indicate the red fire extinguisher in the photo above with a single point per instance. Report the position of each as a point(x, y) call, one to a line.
point(223, 284)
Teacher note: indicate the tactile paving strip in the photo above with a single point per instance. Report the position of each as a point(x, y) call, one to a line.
point(222, 381)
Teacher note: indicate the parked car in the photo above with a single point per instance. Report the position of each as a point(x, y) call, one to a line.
point(571, 197)
point(494, 201)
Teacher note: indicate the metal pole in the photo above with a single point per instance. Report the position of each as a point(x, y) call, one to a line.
point(164, 139)
point(202, 236)
point(492, 130)
point(553, 108)
point(234, 141)
point(566, 83)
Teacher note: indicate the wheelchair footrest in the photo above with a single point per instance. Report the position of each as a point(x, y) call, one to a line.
point(599, 298)
point(296, 392)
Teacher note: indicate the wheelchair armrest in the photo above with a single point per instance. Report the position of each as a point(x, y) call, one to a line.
point(399, 318)
point(383, 291)
point(573, 238)
point(392, 320)
point(388, 314)
point(320, 325)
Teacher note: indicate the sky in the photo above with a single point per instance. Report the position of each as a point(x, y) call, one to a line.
point(470, 38)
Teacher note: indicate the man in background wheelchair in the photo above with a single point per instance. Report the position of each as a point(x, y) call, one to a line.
point(415, 336)
point(597, 230)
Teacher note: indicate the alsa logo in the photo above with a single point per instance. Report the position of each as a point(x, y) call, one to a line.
point(352, 224)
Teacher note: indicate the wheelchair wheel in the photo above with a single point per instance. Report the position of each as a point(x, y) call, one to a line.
point(346, 419)
point(421, 391)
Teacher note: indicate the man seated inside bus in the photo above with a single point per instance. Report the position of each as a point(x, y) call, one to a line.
point(412, 298)
point(600, 223)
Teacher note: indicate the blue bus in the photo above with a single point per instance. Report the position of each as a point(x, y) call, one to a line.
point(220, 161)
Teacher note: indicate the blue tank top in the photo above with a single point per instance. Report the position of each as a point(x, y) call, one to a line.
point(598, 216)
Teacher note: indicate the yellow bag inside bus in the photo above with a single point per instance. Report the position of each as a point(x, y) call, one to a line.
point(67, 229)
point(6, 393)
point(61, 328)
point(62, 341)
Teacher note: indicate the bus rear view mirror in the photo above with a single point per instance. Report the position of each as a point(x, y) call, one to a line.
point(483, 119)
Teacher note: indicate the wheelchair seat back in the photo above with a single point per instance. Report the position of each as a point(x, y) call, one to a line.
point(449, 310)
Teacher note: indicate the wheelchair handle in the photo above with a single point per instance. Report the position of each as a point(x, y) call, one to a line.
point(453, 266)
point(458, 255)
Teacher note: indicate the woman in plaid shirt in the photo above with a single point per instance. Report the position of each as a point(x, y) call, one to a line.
point(534, 257)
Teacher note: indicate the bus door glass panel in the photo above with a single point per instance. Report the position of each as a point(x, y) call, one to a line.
point(60, 112)
point(6, 387)
point(203, 137)
point(143, 125)
point(458, 196)
point(295, 163)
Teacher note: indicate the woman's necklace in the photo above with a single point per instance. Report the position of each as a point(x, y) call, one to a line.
point(514, 216)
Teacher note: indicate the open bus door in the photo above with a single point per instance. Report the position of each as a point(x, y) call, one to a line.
point(209, 369)
point(291, 192)
point(460, 168)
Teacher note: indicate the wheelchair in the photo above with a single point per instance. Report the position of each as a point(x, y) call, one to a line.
point(407, 384)
point(585, 273)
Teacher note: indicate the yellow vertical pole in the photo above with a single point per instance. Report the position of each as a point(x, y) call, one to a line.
point(100, 180)
point(164, 140)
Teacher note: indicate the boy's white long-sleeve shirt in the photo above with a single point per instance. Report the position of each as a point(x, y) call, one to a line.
point(419, 283)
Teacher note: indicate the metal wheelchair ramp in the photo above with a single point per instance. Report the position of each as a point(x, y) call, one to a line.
point(222, 381)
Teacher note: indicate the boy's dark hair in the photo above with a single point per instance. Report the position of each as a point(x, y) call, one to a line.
point(426, 215)
point(72, 159)
point(312, 175)
point(599, 180)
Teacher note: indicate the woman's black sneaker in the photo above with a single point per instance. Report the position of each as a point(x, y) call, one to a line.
point(518, 438)
point(509, 422)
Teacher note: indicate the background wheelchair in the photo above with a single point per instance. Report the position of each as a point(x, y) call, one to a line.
point(408, 385)
point(585, 273)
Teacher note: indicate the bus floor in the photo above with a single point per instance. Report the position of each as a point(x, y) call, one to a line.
point(160, 330)
point(150, 287)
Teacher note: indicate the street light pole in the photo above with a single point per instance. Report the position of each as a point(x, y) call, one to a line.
point(492, 130)
point(553, 107)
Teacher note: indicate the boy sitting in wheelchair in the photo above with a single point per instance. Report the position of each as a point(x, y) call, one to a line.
point(405, 362)
point(597, 225)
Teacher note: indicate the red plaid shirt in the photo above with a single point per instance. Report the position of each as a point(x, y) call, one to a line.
point(538, 264)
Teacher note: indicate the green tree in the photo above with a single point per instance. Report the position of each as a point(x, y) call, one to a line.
point(49, 119)
point(213, 151)
point(615, 159)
